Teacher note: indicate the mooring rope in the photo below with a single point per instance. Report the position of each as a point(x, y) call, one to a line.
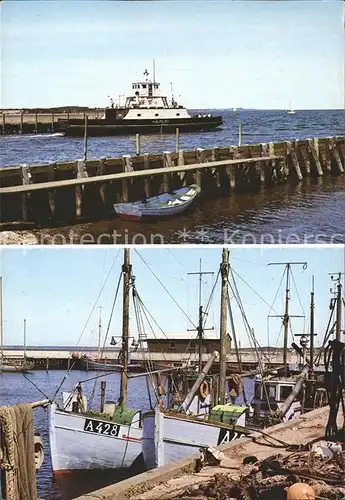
point(18, 461)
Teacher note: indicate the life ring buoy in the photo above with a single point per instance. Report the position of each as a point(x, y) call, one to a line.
point(204, 389)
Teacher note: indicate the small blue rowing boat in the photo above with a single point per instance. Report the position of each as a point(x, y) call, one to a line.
point(163, 205)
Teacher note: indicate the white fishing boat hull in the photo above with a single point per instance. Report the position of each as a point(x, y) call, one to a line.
point(169, 437)
point(74, 446)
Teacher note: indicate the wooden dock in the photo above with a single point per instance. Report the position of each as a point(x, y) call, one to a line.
point(72, 192)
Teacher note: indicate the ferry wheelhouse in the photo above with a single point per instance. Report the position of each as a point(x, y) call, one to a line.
point(145, 111)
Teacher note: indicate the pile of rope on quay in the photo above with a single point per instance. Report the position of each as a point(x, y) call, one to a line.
point(18, 452)
point(270, 479)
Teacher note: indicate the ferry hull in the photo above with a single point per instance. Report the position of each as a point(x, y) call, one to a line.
point(73, 448)
point(76, 128)
point(168, 438)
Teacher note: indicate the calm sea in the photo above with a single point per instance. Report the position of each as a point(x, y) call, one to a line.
point(310, 212)
point(15, 388)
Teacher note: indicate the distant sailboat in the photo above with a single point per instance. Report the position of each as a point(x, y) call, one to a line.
point(291, 111)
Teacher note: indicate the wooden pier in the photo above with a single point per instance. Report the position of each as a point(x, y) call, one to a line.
point(72, 192)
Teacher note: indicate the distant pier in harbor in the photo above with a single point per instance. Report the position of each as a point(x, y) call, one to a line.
point(66, 357)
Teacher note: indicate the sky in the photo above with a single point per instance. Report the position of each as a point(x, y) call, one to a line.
point(217, 54)
point(56, 290)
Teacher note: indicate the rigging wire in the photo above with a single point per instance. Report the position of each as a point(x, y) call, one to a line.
point(25, 376)
point(85, 326)
point(299, 299)
point(208, 305)
point(141, 329)
point(250, 332)
point(178, 261)
point(274, 300)
point(252, 289)
point(98, 297)
point(112, 312)
point(244, 317)
point(165, 288)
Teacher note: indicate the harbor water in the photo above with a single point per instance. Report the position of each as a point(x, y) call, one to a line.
point(17, 388)
point(307, 212)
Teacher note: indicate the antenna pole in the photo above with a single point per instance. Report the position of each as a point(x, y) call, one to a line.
point(286, 318)
point(200, 328)
point(154, 70)
point(224, 269)
point(126, 270)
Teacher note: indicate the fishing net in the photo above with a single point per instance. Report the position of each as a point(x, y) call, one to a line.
point(18, 452)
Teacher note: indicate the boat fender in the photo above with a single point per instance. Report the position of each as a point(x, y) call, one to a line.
point(204, 389)
point(39, 451)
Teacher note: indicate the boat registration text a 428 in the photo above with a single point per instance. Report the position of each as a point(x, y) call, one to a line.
point(100, 427)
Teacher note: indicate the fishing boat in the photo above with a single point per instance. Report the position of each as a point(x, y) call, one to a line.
point(145, 111)
point(203, 418)
point(163, 205)
point(82, 438)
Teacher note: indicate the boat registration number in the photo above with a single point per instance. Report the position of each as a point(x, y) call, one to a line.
point(101, 427)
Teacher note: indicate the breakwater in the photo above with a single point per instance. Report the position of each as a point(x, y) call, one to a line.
point(38, 122)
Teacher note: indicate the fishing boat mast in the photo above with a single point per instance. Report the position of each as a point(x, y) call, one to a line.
point(287, 316)
point(126, 270)
point(224, 270)
point(311, 333)
point(1, 328)
point(99, 333)
point(338, 311)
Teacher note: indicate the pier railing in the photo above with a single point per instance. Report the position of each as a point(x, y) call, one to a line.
point(69, 192)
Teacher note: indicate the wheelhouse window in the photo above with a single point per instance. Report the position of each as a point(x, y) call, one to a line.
point(285, 391)
point(271, 392)
point(257, 391)
point(144, 86)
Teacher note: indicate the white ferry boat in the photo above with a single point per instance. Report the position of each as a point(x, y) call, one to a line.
point(145, 111)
